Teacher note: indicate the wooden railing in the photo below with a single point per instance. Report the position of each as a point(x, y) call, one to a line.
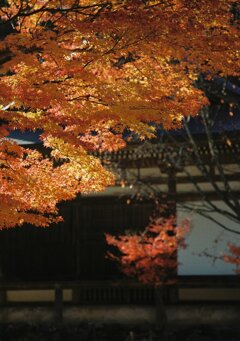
point(113, 292)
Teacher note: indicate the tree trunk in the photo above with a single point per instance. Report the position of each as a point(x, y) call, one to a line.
point(161, 314)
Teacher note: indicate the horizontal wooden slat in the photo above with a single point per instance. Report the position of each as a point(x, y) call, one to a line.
point(130, 292)
point(181, 281)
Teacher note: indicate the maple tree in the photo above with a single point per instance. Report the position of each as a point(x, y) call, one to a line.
point(151, 256)
point(84, 71)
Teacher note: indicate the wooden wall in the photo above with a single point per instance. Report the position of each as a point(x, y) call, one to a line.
point(74, 249)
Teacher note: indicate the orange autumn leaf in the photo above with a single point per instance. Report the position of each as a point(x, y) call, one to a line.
point(233, 257)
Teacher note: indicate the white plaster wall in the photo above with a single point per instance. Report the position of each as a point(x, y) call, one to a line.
point(206, 236)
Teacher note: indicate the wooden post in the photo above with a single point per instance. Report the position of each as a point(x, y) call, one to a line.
point(172, 193)
point(161, 315)
point(3, 293)
point(3, 297)
point(58, 304)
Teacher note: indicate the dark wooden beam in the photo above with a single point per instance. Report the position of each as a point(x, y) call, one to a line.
point(191, 196)
point(158, 180)
point(186, 196)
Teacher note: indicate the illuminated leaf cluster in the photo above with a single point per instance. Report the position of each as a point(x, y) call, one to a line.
point(84, 71)
point(151, 256)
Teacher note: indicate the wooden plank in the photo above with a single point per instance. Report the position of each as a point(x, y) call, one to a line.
point(191, 196)
point(158, 180)
point(58, 303)
point(182, 281)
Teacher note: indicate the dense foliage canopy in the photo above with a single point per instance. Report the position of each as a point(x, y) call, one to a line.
point(84, 71)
